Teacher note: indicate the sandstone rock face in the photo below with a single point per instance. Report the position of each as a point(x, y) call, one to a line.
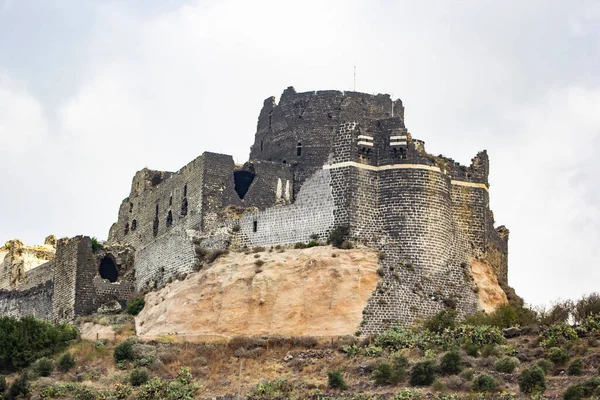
point(490, 293)
point(297, 292)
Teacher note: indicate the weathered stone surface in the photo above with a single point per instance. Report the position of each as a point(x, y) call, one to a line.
point(297, 292)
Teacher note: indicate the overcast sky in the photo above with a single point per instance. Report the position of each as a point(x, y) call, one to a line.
point(92, 91)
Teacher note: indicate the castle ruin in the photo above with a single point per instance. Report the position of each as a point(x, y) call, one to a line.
point(320, 161)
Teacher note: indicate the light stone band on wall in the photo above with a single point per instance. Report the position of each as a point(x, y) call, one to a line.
point(401, 166)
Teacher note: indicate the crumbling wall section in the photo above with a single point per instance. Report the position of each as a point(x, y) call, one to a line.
point(65, 278)
point(32, 301)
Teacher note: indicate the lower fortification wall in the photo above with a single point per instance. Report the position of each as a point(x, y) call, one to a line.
point(35, 301)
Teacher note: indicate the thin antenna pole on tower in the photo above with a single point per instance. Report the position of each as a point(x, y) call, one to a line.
point(354, 77)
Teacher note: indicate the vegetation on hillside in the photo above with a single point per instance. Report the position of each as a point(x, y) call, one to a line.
point(509, 354)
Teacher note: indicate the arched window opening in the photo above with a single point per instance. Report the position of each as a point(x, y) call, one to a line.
point(171, 200)
point(261, 145)
point(108, 269)
point(185, 191)
point(242, 180)
point(299, 149)
point(169, 218)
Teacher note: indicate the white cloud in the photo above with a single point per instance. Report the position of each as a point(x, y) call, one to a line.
point(22, 121)
point(544, 189)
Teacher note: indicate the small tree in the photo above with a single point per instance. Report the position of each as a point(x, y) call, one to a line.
point(138, 377)
point(576, 367)
point(422, 373)
point(532, 380)
point(445, 319)
point(124, 351)
point(44, 367)
point(336, 380)
point(450, 363)
point(135, 306)
point(66, 362)
point(484, 383)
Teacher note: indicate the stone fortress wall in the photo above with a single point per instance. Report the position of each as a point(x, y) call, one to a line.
point(320, 160)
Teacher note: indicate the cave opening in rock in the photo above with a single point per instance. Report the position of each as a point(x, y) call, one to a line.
point(108, 269)
point(243, 180)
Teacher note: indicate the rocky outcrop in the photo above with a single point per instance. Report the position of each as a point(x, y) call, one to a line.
point(319, 291)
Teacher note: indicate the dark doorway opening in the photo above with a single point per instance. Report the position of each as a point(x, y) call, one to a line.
point(108, 269)
point(243, 180)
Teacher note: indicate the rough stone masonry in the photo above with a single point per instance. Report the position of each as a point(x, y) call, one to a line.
point(321, 162)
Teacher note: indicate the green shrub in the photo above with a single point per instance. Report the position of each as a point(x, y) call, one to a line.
point(338, 235)
point(490, 350)
point(445, 319)
point(335, 380)
point(66, 362)
point(300, 245)
point(546, 365)
point(574, 392)
point(2, 384)
point(124, 352)
point(422, 373)
point(450, 364)
point(504, 316)
point(484, 383)
point(20, 387)
point(84, 393)
point(576, 367)
point(558, 355)
point(135, 306)
point(22, 341)
point(471, 349)
point(468, 374)
point(272, 389)
point(557, 314)
point(506, 365)
point(138, 377)
point(95, 244)
point(312, 243)
point(386, 373)
point(558, 335)
point(532, 380)
point(44, 366)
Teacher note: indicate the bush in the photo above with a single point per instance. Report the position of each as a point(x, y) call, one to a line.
point(586, 307)
point(450, 363)
point(574, 392)
point(468, 374)
point(576, 367)
point(422, 373)
point(490, 350)
point(95, 244)
point(2, 384)
point(532, 380)
point(84, 393)
point(445, 319)
point(484, 383)
point(338, 235)
point(300, 245)
point(336, 380)
point(66, 362)
point(135, 306)
point(546, 365)
point(124, 352)
point(504, 316)
point(386, 373)
point(506, 365)
point(20, 387)
point(22, 341)
point(558, 335)
point(313, 243)
point(138, 377)
point(472, 349)
point(558, 355)
point(557, 314)
point(44, 367)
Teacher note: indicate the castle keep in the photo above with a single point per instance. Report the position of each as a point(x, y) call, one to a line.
point(321, 161)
